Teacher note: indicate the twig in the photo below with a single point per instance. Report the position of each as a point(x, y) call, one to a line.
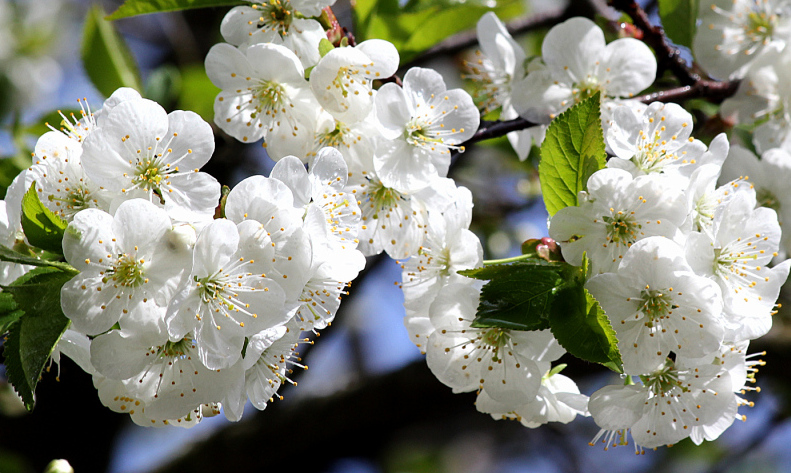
point(494, 129)
point(668, 56)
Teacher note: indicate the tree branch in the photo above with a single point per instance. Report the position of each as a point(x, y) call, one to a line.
point(713, 91)
point(668, 56)
point(494, 129)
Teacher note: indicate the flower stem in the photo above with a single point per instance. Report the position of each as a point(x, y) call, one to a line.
point(491, 262)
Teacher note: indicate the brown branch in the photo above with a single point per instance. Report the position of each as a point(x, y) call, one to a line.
point(494, 129)
point(713, 91)
point(668, 56)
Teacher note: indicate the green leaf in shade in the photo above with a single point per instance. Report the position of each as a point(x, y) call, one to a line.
point(33, 337)
point(163, 85)
point(197, 92)
point(678, 19)
point(43, 228)
point(572, 150)
point(8, 312)
point(418, 26)
point(581, 326)
point(105, 55)
point(142, 7)
point(519, 295)
point(10, 167)
point(534, 294)
point(11, 256)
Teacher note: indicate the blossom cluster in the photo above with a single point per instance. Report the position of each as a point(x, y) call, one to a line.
point(746, 40)
point(687, 271)
point(177, 312)
point(575, 63)
point(183, 308)
point(681, 267)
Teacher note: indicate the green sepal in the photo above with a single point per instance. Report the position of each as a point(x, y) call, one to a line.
point(325, 46)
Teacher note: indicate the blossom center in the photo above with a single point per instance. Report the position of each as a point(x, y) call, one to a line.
point(333, 138)
point(495, 339)
point(276, 16)
point(177, 349)
point(621, 228)
point(77, 198)
point(759, 25)
point(383, 198)
point(664, 380)
point(148, 175)
point(656, 304)
point(271, 96)
point(586, 89)
point(127, 271)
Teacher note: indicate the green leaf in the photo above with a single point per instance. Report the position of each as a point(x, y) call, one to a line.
point(105, 55)
point(197, 92)
point(142, 7)
point(572, 150)
point(163, 85)
point(519, 295)
point(582, 328)
point(43, 228)
point(11, 256)
point(678, 19)
point(580, 325)
point(418, 26)
point(535, 294)
point(31, 340)
point(8, 312)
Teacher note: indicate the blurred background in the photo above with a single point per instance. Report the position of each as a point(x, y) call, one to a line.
point(368, 402)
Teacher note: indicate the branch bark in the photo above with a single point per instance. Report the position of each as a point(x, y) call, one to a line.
point(668, 56)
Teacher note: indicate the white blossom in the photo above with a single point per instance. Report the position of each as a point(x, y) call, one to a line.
point(138, 150)
point(657, 304)
point(128, 269)
point(420, 123)
point(577, 63)
point(228, 295)
point(281, 22)
point(671, 400)
point(733, 33)
point(616, 212)
point(264, 95)
point(342, 80)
